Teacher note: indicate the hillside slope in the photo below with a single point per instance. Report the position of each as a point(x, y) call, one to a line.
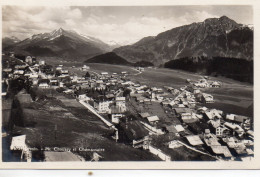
point(212, 37)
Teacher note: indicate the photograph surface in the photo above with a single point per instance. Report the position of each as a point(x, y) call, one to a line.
point(127, 83)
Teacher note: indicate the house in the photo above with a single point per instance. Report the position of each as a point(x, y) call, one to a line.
point(179, 111)
point(186, 116)
point(59, 68)
point(64, 72)
point(171, 129)
point(33, 75)
point(236, 118)
point(44, 83)
point(132, 132)
point(214, 114)
point(211, 139)
point(206, 98)
point(235, 128)
point(144, 115)
point(18, 72)
point(153, 119)
point(18, 143)
point(219, 129)
point(116, 114)
point(194, 140)
point(179, 128)
point(41, 62)
point(85, 68)
point(222, 151)
point(215, 84)
point(28, 60)
point(102, 106)
point(120, 102)
point(54, 82)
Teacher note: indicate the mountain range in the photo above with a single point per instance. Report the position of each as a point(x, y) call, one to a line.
point(8, 41)
point(221, 37)
point(61, 43)
point(213, 37)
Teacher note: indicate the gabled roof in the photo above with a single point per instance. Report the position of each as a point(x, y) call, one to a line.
point(221, 150)
point(18, 143)
point(144, 115)
point(179, 128)
point(194, 140)
point(182, 110)
point(134, 130)
point(153, 118)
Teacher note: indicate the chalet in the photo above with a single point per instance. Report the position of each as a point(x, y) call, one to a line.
point(44, 83)
point(21, 67)
point(153, 119)
point(144, 115)
point(179, 128)
point(213, 114)
point(180, 111)
point(116, 114)
point(42, 62)
point(54, 82)
point(28, 60)
point(68, 91)
point(236, 118)
point(204, 98)
point(59, 68)
point(211, 139)
point(194, 140)
point(235, 128)
point(33, 75)
point(18, 72)
point(7, 70)
point(65, 72)
point(132, 132)
point(170, 129)
point(215, 84)
point(85, 68)
point(104, 73)
point(222, 151)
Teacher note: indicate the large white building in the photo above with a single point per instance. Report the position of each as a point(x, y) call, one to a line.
point(120, 103)
point(102, 106)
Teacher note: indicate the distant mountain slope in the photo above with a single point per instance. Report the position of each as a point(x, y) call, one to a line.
point(108, 58)
point(7, 41)
point(62, 43)
point(212, 37)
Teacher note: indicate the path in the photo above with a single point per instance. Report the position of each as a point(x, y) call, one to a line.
point(191, 148)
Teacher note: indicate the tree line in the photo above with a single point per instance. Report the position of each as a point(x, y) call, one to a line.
point(234, 68)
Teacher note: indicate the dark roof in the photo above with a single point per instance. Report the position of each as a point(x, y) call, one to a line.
point(239, 118)
point(171, 129)
point(134, 130)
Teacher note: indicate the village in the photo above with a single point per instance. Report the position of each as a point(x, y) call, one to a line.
point(153, 119)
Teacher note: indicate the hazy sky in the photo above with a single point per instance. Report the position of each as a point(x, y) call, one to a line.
point(120, 24)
